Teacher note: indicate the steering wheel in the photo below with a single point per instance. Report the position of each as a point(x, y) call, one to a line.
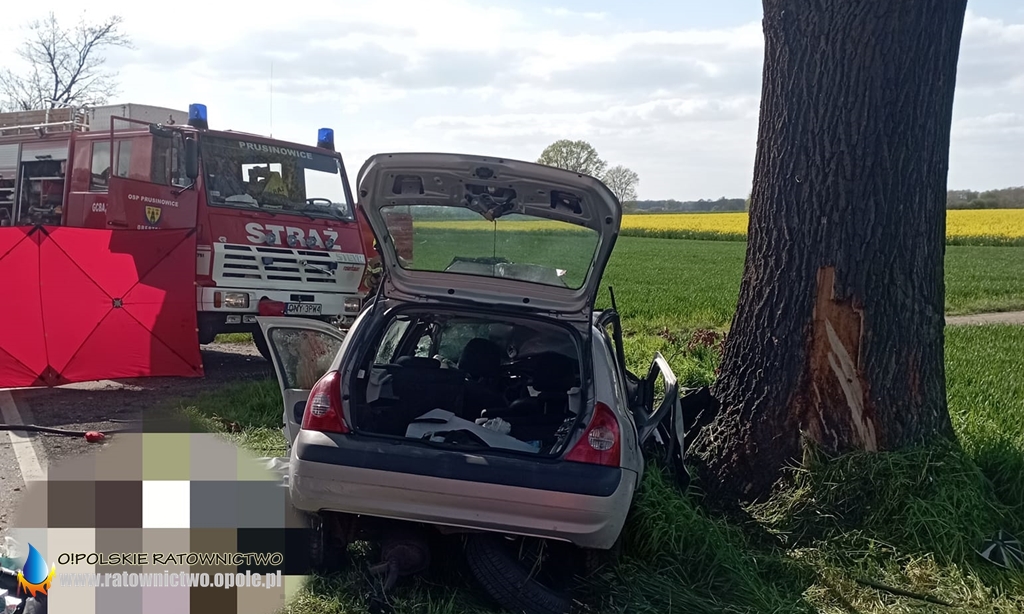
point(314, 201)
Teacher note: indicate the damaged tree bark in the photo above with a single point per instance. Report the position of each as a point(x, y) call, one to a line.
point(838, 335)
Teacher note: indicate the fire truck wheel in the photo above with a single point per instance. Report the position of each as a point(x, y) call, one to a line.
point(261, 344)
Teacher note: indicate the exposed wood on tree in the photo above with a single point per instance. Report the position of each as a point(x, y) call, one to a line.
point(838, 335)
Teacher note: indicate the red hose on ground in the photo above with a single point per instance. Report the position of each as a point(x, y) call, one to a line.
point(90, 436)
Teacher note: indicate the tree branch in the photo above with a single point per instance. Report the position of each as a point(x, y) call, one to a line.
point(71, 61)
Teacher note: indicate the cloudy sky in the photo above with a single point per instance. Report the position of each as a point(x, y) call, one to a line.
point(669, 89)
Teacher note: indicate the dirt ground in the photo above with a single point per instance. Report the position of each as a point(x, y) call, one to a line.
point(92, 406)
point(1006, 317)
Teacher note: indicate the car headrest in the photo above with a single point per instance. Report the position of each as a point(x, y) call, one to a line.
point(553, 372)
point(481, 358)
point(418, 362)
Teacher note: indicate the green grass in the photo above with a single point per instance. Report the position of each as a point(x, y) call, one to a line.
point(981, 279)
point(717, 235)
point(695, 284)
point(247, 413)
point(911, 520)
point(985, 387)
point(234, 338)
point(666, 282)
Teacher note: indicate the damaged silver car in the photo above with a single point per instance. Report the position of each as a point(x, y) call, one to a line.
point(480, 392)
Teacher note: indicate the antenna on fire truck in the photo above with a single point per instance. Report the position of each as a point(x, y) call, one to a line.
point(271, 99)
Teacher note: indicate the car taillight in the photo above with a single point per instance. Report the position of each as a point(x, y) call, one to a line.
point(323, 407)
point(600, 444)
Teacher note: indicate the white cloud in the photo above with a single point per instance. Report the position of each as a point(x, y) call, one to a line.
point(991, 56)
point(564, 12)
point(678, 105)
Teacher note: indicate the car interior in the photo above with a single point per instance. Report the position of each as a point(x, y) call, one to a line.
point(471, 381)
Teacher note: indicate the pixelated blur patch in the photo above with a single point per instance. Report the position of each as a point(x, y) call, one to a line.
point(186, 502)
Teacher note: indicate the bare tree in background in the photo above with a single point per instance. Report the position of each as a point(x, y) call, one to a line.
point(65, 65)
point(622, 182)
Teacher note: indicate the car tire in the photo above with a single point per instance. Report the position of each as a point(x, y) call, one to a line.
point(507, 581)
point(596, 561)
point(261, 344)
point(327, 552)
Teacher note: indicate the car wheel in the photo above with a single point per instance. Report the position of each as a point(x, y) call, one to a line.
point(261, 344)
point(596, 561)
point(517, 583)
point(327, 551)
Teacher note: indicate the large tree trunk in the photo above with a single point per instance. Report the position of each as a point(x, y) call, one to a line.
point(839, 329)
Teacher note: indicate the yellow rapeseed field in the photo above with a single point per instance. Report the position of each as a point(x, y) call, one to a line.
point(725, 224)
point(977, 223)
point(965, 227)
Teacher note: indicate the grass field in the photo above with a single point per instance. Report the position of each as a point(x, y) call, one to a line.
point(664, 282)
point(691, 284)
point(996, 227)
point(910, 520)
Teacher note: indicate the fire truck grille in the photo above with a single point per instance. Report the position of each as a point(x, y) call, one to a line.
point(254, 266)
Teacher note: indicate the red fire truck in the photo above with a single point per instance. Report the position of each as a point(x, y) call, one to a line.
point(278, 230)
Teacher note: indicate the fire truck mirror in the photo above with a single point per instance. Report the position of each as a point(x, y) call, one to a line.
point(191, 158)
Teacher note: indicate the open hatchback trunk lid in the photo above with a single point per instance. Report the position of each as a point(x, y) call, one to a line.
point(489, 230)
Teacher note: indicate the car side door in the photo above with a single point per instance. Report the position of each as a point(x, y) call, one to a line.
point(302, 350)
point(658, 411)
point(654, 401)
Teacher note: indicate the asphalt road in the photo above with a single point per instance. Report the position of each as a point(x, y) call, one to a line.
point(11, 482)
point(92, 406)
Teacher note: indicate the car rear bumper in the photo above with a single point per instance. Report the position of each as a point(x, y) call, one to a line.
point(583, 504)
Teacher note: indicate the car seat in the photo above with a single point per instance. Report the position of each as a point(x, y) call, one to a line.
point(481, 358)
point(535, 417)
point(419, 385)
point(481, 361)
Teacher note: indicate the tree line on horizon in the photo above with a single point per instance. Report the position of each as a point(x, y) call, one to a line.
point(1004, 198)
point(581, 157)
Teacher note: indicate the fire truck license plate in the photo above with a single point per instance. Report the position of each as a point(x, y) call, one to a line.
point(303, 309)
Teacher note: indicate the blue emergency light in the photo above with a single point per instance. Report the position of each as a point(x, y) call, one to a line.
point(197, 116)
point(325, 139)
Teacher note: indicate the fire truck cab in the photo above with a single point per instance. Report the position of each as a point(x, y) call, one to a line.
point(277, 229)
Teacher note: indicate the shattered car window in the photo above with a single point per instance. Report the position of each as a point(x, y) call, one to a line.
point(455, 336)
point(304, 355)
point(389, 345)
point(423, 346)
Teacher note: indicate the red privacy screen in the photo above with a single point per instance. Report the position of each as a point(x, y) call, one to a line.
point(80, 304)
